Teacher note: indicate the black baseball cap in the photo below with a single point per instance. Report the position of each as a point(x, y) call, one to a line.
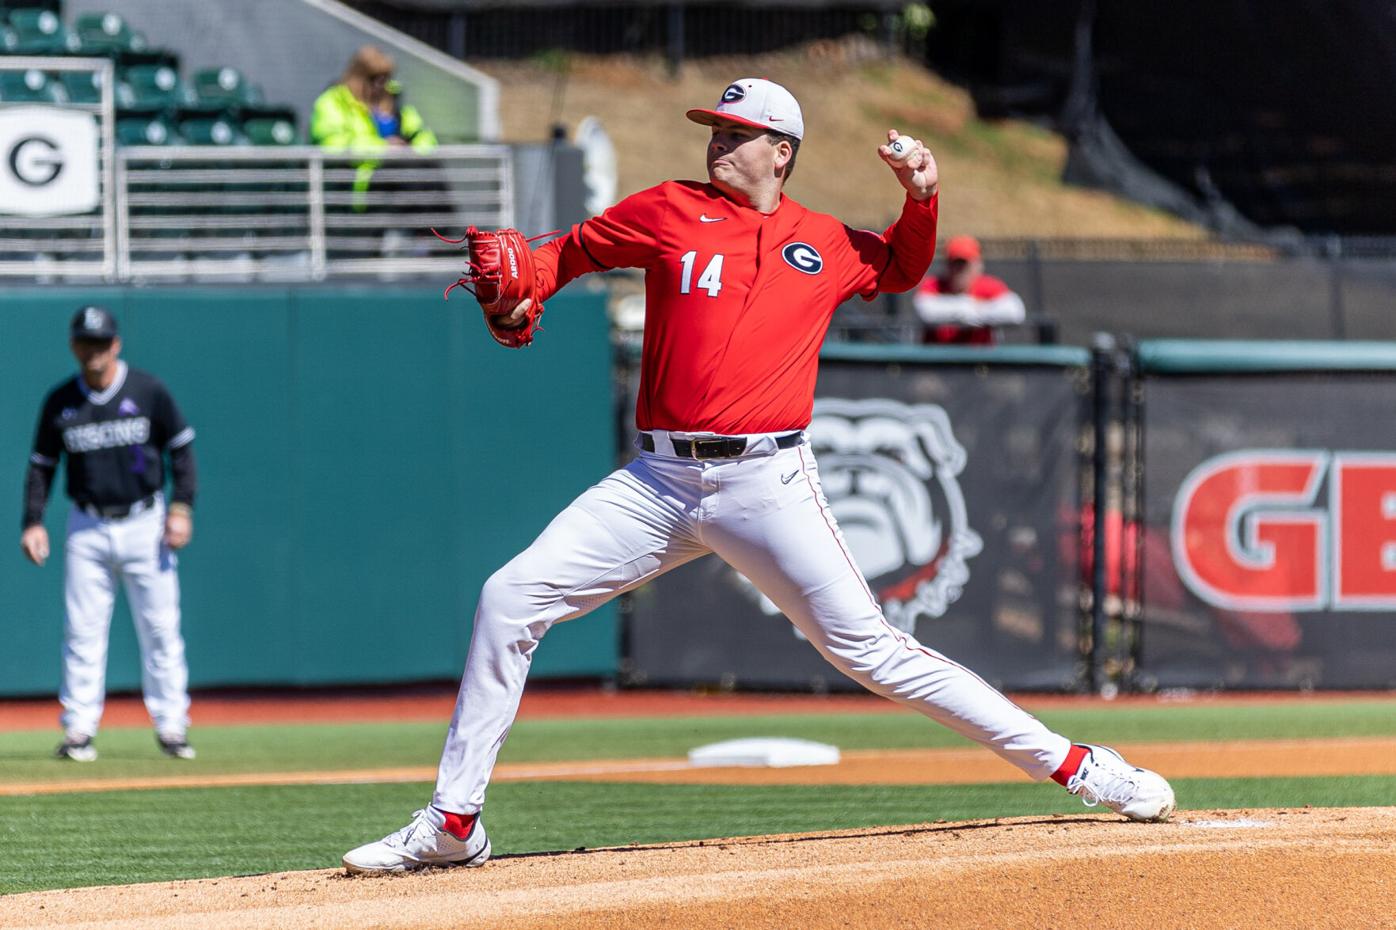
point(93, 323)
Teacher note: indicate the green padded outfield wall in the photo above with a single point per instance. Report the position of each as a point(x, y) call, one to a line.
point(367, 457)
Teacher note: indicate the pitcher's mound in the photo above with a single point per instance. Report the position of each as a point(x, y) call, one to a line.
point(1207, 869)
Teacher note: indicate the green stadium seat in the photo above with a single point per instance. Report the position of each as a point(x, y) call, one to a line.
point(145, 130)
point(269, 131)
point(216, 131)
point(269, 123)
point(8, 38)
point(156, 85)
point(82, 86)
point(30, 86)
point(107, 34)
point(228, 86)
point(41, 32)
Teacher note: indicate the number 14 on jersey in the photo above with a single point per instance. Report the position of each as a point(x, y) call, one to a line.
point(711, 278)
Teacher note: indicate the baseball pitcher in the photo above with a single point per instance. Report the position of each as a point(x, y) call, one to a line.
point(741, 283)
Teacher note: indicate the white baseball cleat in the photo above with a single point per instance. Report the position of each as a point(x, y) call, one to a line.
point(176, 746)
point(1106, 778)
point(76, 747)
point(419, 845)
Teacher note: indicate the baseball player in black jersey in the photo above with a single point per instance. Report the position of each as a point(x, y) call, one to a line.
point(115, 424)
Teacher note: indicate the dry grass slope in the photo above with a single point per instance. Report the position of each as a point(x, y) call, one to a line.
point(999, 178)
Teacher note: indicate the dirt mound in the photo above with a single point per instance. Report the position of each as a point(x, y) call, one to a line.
point(1233, 869)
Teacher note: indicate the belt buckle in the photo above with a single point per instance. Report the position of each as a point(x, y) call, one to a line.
point(719, 447)
point(707, 448)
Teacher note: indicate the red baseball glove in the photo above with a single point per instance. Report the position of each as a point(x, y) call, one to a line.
point(500, 273)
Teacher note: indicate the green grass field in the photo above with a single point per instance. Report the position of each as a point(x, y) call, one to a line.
point(156, 835)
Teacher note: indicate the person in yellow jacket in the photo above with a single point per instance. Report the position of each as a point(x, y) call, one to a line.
point(364, 112)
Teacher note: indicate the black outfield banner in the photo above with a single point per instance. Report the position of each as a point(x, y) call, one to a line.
point(955, 477)
point(1269, 539)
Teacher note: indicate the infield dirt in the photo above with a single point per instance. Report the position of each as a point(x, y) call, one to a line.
point(1306, 868)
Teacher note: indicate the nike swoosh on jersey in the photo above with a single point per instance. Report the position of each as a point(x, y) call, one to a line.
point(710, 219)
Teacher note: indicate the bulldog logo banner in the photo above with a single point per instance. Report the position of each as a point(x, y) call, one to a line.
point(956, 491)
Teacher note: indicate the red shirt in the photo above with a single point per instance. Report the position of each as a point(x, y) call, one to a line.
point(984, 287)
point(737, 302)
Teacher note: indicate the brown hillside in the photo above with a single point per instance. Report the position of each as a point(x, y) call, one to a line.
point(998, 178)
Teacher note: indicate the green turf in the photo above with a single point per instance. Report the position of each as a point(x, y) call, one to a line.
point(131, 752)
point(167, 834)
point(172, 834)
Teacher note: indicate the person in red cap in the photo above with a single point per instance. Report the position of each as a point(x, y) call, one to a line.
point(963, 305)
point(741, 283)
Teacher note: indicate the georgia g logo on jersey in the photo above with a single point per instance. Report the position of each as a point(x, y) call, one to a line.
point(803, 257)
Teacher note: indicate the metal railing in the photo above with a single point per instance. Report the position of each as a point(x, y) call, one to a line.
point(301, 213)
point(290, 213)
point(268, 213)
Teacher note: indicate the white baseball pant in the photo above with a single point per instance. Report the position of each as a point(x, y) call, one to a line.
point(97, 554)
point(765, 515)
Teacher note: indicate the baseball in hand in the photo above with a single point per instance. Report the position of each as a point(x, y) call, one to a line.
point(902, 147)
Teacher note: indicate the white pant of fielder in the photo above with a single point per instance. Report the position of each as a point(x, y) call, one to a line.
point(99, 553)
point(661, 511)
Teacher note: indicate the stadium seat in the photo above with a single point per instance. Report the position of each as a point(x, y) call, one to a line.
point(30, 86)
point(145, 130)
point(227, 86)
point(269, 124)
point(107, 34)
point(8, 38)
point(41, 32)
point(156, 85)
point(269, 131)
point(82, 86)
point(216, 131)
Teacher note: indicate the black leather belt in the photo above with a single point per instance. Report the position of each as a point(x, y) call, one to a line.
point(117, 511)
point(718, 447)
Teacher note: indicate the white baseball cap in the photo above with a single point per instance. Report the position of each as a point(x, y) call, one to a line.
point(755, 102)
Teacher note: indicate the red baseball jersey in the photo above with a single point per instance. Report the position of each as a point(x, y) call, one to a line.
point(737, 302)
